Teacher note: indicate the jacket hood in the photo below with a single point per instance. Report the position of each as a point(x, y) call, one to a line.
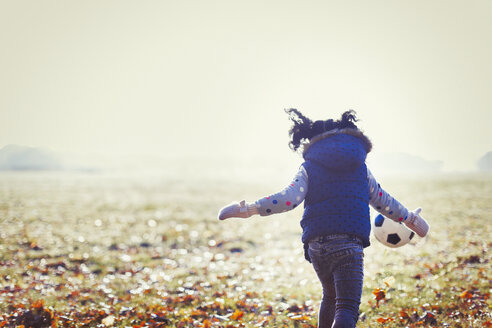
point(341, 149)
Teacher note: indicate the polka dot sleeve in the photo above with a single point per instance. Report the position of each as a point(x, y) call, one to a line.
point(287, 199)
point(382, 202)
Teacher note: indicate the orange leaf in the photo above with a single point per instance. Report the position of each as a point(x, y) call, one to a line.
point(380, 294)
point(384, 320)
point(39, 304)
point(404, 315)
point(237, 315)
point(300, 317)
point(466, 294)
point(198, 313)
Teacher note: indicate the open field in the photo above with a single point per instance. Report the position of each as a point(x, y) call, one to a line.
point(96, 250)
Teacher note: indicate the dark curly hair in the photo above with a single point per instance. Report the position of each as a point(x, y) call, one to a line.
point(303, 129)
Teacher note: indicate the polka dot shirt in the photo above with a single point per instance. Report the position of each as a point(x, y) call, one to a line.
point(293, 195)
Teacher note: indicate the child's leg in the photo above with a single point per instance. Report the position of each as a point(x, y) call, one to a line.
point(327, 307)
point(323, 269)
point(348, 284)
point(339, 266)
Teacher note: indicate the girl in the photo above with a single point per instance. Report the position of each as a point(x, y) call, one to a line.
point(336, 188)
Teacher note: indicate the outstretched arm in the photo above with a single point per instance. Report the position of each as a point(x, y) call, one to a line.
point(385, 204)
point(287, 199)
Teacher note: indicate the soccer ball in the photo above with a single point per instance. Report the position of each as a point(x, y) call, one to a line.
point(390, 233)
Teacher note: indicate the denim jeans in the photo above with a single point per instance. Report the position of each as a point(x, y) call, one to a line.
point(338, 262)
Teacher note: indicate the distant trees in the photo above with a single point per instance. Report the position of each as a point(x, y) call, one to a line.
point(22, 158)
point(403, 163)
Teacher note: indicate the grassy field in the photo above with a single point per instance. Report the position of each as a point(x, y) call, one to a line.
point(97, 250)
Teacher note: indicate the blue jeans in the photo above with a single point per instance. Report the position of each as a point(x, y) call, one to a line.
point(338, 262)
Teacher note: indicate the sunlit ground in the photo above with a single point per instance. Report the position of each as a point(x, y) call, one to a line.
point(114, 250)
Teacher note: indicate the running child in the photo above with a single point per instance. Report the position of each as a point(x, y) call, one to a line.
point(337, 188)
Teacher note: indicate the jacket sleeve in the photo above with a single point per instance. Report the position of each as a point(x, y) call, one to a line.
point(383, 202)
point(287, 199)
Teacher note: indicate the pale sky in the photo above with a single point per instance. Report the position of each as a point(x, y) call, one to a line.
point(213, 77)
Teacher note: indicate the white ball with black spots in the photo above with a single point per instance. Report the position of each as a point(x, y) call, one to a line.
point(390, 233)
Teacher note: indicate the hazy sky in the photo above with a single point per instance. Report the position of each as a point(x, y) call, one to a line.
point(213, 77)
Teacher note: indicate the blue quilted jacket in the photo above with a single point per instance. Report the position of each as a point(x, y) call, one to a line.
point(337, 200)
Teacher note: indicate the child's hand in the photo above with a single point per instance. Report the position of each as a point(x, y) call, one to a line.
point(237, 210)
point(417, 223)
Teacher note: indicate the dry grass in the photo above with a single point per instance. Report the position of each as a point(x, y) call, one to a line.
point(89, 250)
